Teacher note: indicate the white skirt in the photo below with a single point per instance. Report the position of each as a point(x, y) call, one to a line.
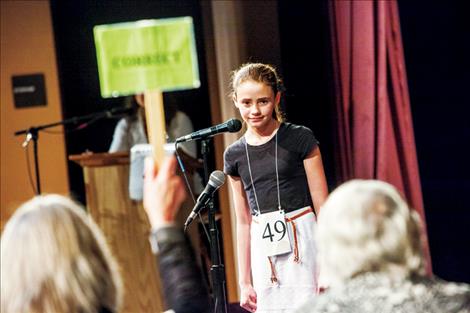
point(295, 282)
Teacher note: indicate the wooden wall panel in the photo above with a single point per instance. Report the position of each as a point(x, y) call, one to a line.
point(27, 47)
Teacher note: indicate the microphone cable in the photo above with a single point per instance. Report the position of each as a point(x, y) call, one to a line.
point(28, 167)
point(188, 186)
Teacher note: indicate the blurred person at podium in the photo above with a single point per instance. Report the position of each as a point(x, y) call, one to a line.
point(54, 258)
point(132, 130)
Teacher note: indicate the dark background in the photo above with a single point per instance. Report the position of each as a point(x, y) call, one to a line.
point(436, 40)
point(436, 44)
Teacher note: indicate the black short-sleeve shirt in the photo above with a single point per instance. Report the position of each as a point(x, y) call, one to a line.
point(294, 144)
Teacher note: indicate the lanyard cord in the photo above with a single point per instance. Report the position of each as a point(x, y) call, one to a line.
point(251, 177)
point(277, 180)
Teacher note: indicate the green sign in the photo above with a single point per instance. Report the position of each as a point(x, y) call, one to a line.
point(146, 55)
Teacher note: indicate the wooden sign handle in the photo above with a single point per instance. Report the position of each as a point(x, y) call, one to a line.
point(156, 130)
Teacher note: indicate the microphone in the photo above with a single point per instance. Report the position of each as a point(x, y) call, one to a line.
point(216, 180)
point(232, 126)
point(27, 140)
point(120, 111)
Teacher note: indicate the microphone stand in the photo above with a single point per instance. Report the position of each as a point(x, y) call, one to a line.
point(217, 268)
point(32, 133)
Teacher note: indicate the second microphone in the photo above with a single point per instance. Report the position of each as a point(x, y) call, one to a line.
point(216, 180)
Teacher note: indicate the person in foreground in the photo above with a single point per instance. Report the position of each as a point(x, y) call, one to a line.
point(182, 281)
point(370, 255)
point(54, 258)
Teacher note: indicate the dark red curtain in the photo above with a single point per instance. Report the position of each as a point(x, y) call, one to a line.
point(375, 137)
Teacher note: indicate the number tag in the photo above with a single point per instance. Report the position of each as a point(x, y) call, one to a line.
point(274, 237)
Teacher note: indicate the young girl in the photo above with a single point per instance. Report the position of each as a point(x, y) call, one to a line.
point(276, 175)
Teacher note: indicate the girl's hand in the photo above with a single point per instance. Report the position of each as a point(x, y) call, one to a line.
point(248, 298)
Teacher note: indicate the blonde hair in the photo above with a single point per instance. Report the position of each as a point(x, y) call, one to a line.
point(366, 226)
point(261, 73)
point(55, 259)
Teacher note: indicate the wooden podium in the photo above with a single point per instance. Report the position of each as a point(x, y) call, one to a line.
point(125, 226)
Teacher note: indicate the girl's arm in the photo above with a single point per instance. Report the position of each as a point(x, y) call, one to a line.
point(316, 178)
point(242, 211)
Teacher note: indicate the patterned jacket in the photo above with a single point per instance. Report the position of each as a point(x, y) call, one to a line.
point(372, 292)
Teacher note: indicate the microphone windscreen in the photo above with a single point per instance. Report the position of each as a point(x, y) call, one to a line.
point(217, 178)
point(234, 125)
